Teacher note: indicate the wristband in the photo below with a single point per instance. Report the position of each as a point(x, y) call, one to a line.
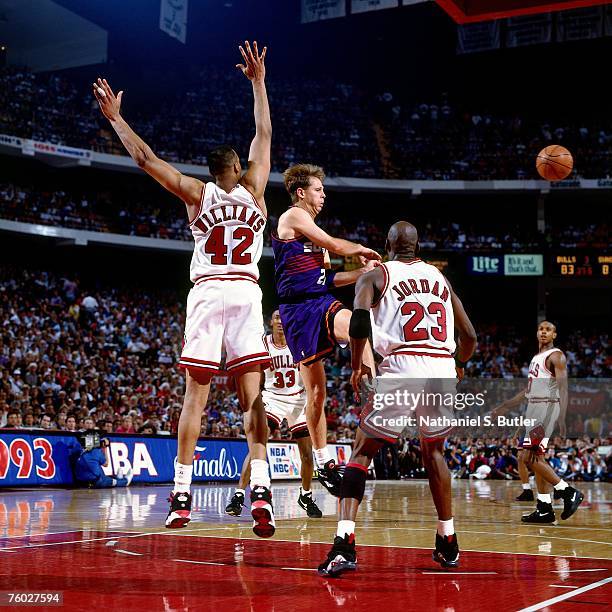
point(329, 278)
point(460, 364)
point(360, 326)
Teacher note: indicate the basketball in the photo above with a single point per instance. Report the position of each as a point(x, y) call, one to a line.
point(554, 163)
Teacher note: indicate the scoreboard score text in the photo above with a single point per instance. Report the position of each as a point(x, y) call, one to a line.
point(594, 265)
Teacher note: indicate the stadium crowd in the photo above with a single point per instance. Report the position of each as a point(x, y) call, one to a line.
point(74, 359)
point(445, 141)
point(49, 107)
point(139, 214)
point(496, 458)
point(134, 215)
point(347, 131)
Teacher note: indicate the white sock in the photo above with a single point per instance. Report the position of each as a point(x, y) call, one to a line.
point(239, 492)
point(182, 478)
point(446, 528)
point(561, 486)
point(545, 498)
point(322, 456)
point(303, 492)
point(345, 528)
point(527, 487)
point(259, 473)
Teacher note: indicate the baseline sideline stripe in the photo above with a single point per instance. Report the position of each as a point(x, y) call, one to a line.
point(554, 600)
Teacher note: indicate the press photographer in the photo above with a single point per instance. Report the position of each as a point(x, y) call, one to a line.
point(92, 458)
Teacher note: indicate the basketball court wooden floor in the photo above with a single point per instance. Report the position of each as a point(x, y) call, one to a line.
point(108, 549)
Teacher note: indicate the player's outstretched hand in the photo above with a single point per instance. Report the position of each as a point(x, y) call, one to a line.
point(368, 254)
point(357, 377)
point(254, 67)
point(110, 105)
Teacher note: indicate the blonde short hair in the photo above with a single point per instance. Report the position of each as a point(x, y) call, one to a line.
point(298, 177)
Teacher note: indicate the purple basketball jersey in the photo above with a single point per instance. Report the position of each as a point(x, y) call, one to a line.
point(306, 307)
point(299, 267)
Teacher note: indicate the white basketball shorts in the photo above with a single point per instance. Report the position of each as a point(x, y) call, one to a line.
point(224, 315)
point(413, 393)
point(290, 407)
point(544, 417)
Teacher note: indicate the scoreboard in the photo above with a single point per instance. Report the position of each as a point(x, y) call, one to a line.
point(562, 263)
point(579, 263)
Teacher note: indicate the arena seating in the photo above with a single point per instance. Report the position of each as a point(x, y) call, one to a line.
point(348, 131)
point(108, 354)
point(139, 214)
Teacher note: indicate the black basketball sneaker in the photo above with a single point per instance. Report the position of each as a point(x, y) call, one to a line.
point(180, 510)
point(330, 477)
point(262, 512)
point(234, 508)
point(526, 495)
point(542, 515)
point(572, 498)
point(447, 551)
point(341, 558)
point(306, 502)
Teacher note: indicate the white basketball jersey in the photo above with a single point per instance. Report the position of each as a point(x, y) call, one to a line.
point(228, 234)
point(414, 315)
point(283, 376)
point(542, 385)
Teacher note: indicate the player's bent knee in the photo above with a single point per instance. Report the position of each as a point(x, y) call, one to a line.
point(198, 378)
point(342, 322)
point(353, 481)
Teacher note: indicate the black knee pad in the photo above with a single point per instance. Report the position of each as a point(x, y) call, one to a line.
point(353, 482)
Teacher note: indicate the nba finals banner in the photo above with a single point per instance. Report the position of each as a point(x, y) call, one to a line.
point(30, 457)
point(40, 458)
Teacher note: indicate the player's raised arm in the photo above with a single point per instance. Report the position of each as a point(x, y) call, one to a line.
point(559, 367)
point(254, 69)
point(302, 223)
point(187, 188)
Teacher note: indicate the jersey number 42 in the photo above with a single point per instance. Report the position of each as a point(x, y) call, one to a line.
point(215, 246)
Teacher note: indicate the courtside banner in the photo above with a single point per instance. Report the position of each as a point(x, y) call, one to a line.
point(36, 457)
point(286, 463)
point(29, 458)
point(152, 459)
